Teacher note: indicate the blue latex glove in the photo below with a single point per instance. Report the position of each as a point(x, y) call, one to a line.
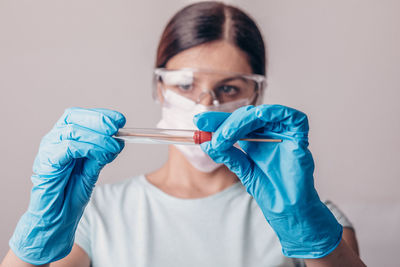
point(278, 175)
point(66, 169)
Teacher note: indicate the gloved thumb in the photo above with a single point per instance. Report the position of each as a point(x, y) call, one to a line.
point(116, 117)
point(209, 121)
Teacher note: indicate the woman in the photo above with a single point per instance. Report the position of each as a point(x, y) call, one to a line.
point(195, 209)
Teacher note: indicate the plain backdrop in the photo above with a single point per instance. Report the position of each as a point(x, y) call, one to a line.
point(338, 61)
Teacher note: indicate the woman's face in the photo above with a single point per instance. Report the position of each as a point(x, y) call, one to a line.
point(218, 56)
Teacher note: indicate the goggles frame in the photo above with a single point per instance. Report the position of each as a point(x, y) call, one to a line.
point(258, 79)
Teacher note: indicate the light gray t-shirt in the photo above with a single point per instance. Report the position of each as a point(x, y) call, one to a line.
point(133, 223)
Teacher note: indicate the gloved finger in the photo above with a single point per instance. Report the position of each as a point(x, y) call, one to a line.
point(76, 149)
point(53, 157)
point(237, 161)
point(103, 121)
point(242, 122)
point(84, 135)
point(209, 121)
point(284, 118)
point(92, 170)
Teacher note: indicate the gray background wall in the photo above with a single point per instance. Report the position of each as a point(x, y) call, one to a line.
point(338, 61)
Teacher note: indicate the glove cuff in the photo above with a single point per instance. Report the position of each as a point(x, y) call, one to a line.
point(310, 232)
point(37, 243)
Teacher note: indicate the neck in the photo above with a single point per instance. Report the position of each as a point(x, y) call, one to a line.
point(177, 177)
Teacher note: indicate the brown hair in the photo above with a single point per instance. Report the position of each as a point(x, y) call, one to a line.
point(205, 22)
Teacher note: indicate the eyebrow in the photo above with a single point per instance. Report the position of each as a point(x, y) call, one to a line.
point(233, 78)
point(226, 79)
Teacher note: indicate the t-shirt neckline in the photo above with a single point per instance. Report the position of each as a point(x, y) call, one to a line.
point(230, 190)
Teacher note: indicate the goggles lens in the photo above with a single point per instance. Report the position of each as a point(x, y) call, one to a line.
point(197, 84)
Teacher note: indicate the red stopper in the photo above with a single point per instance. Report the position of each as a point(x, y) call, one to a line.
point(200, 137)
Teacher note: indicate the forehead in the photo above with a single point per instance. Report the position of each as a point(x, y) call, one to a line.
point(218, 56)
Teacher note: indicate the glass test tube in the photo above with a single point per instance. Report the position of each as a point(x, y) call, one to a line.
point(172, 136)
point(156, 136)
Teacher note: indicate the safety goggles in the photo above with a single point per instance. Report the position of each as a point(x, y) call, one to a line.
point(197, 84)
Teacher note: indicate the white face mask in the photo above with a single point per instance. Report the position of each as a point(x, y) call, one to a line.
point(178, 112)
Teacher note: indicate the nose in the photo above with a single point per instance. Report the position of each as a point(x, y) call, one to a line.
point(208, 98)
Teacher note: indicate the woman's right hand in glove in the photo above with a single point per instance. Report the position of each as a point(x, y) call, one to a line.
point(65, 170)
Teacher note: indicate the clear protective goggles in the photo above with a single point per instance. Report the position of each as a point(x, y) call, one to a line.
point(216, 86)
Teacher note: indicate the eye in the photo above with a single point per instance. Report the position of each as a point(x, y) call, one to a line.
point(228, 90)
point(185, 87)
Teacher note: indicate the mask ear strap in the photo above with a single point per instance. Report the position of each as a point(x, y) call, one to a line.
point(159, 91)
point(256, 99)
point(158, 86)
